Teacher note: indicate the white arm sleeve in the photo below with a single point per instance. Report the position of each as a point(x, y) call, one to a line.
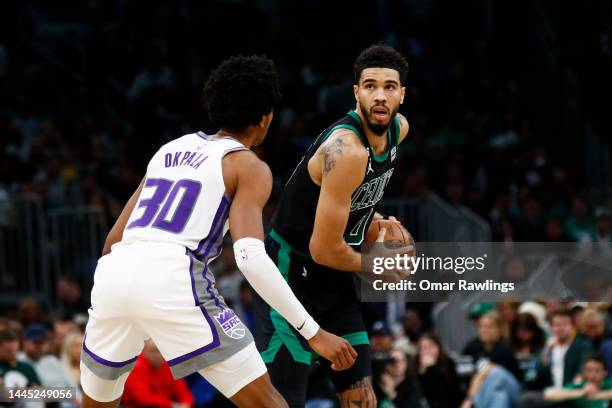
point(266, 279)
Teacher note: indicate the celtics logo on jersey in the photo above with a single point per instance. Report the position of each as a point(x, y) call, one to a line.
point(370, 192)
point(365, 198)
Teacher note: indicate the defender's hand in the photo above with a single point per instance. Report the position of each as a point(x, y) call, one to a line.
point(336, 349)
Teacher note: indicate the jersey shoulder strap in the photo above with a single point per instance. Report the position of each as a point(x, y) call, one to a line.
point(395, 131)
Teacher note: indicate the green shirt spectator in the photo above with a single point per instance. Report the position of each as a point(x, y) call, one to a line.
point(594, 390)
point(583, 402)
point(14, 373)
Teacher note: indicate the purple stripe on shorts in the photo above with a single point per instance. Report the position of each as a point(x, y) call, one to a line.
point(106, 362)
point(217, 229)
point(224, 203)
point(215, 341)
point(205, 257)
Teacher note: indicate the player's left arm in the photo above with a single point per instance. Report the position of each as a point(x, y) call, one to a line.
point(116, 233)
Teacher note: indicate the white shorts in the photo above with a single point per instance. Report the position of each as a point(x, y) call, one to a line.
point(161, 291)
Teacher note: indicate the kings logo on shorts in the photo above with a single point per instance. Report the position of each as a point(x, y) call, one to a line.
point(231, 324)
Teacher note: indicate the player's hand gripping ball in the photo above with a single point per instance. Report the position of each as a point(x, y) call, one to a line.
point(395, 236)
point(397, 241)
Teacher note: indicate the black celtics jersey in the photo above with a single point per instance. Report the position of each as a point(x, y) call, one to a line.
point(295, 214)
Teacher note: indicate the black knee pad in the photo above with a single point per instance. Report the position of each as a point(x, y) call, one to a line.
point(289, 378)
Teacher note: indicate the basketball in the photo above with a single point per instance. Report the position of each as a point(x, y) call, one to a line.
point(395, 236)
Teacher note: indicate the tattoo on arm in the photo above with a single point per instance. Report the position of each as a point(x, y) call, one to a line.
point(330, 151)
point(359, 395)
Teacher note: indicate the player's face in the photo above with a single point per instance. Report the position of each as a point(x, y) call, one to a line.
point(379, 95)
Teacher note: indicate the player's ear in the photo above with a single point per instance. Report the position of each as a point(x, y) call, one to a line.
point(403, 93)
point(356, 92)
point(266, 120)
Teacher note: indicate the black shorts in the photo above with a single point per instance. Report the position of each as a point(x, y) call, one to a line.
point(330, 297)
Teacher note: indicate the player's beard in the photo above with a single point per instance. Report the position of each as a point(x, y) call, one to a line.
point(376, 128)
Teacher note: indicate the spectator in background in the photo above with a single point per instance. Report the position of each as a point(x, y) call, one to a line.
point(71, 357)
point(492, 386)
point(603, 231)
point(508, 312)
point(395, 382)
point(564, 353)
point(591, 326)
point(490, 345)
point(495, 382)
point(30, 311)
point(560, 361)
point(14, 373)
point(580, 225)
point(71, 301)
point(555, 232)
point(577, 310)
point(36, 353)
point(151, 383)
point(412, 325)
point(527, 340)
point(10, 324)
point(381, 338)
point(61, 328)
point(530, 224)
point(606, 352)
point(476, 311)
point(437, 373)
point(538, 312)
point(593, 390)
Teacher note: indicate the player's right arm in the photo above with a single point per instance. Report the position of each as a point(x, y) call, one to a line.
point(340, 165)
point(116, 233)
point(249, 181)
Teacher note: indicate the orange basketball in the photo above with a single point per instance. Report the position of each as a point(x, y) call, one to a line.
point(396, 234)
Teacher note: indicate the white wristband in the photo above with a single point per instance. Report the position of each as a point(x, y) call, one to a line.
point(309, 328)
point(266, 279)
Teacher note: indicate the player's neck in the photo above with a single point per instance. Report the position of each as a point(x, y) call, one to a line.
point(378, 143)
point(246, 138)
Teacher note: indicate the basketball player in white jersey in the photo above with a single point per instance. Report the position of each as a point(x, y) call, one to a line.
point(155, 281)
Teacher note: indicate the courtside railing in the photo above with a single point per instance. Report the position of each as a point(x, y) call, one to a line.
point(37, 246)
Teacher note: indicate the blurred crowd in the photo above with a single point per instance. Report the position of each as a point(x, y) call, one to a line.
point(553, 353)
point(532, 354)
point(90, 90)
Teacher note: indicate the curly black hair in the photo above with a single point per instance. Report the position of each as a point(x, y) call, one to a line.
point(240, 91)
point(381, 56)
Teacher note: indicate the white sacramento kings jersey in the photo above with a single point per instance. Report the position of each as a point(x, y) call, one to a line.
point(183, 200)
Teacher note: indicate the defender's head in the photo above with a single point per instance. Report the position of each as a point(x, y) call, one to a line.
point(380, 74)
point(241, 94)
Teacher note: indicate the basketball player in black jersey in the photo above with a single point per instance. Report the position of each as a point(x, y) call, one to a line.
point(324, 211)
